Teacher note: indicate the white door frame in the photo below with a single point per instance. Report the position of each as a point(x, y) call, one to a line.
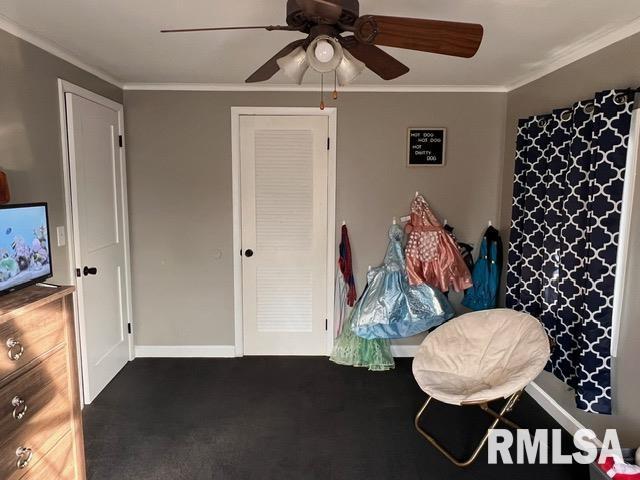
point(332, 115)
point(71, 218)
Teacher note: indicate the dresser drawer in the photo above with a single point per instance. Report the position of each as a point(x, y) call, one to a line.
point(57, 464)
point(45, 393)
point(31, 335)
point(34, 396)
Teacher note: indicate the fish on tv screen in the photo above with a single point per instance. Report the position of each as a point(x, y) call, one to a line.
point(25, 250)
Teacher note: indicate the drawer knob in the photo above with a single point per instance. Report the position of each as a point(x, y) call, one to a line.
point(24, 455)
point(15, 349)
point(19, 408)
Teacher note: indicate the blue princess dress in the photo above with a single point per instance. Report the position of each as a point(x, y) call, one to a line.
point(390, 307)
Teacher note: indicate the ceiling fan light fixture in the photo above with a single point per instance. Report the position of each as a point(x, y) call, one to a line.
point(317, 45)
point(349, 68)
point(294, 65)
point(325, 21)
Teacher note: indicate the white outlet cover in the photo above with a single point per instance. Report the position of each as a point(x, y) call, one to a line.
point(62, 237)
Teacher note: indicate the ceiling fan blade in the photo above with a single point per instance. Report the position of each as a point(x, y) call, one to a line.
point(434, 36)
point(210, 29)
point(376, 59)
point(270, 68)
point(322, 11)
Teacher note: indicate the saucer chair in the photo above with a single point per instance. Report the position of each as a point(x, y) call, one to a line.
point(477, 358)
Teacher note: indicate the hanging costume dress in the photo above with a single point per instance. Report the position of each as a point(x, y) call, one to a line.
point(486, 273)
point(432, 254)
point(350, 349)
point(345, 283)
point(466, 250)
point(390, 307)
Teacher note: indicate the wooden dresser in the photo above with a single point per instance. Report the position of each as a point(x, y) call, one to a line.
point(40, 416)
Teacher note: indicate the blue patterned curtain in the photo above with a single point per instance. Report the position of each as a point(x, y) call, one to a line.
point(567, 200)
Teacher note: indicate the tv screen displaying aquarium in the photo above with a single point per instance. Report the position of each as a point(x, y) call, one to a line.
point(25, 250)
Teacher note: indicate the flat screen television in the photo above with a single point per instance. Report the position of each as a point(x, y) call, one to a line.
point(25, 249)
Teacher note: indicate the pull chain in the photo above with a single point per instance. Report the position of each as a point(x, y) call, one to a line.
point(335, 85)
point(322, 91)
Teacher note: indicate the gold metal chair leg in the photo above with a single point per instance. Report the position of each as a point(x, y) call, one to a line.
point(498, 417)
point(507, 408)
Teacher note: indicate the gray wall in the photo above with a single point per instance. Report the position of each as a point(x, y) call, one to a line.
point(613, 67)
point(180, 184)
point(30, 150)
point(179, 170)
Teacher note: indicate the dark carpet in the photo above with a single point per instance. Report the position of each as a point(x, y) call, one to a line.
point(285, 418)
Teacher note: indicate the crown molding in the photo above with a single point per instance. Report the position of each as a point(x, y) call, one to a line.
point(21, 32)
point(576, 52)
point(269, 87)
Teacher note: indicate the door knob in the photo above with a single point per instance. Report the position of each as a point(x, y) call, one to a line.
point(89, 271)
point(248, 253)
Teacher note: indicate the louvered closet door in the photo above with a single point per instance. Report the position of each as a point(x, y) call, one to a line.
point(284, 223)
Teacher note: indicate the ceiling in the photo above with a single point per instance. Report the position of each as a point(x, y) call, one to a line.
point(120, 38)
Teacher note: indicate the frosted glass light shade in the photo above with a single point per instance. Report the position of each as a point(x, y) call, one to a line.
point(350, 67)
point(294, 65)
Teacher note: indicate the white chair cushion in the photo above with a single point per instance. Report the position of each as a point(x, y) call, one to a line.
point(481, 356)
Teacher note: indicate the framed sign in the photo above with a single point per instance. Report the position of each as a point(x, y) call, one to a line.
point(426, 147)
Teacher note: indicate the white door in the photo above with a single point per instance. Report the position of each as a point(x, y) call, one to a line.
point(99, 202)
point(284, 175)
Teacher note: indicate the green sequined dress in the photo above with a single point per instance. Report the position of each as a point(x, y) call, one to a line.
point(350, 349)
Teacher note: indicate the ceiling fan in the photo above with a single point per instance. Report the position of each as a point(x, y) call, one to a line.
point(326, 49)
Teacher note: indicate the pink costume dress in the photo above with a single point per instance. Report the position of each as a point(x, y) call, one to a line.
point(431, 253)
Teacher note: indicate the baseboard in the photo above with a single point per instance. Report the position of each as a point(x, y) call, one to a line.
point(227, 351)
point(404, 350)
point(185, 351)
point(553, 408)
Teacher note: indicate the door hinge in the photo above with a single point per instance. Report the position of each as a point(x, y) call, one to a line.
point(120, 141)
point(78, 274)
point(129, 328)
point(328, 143)
point(326, 324)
